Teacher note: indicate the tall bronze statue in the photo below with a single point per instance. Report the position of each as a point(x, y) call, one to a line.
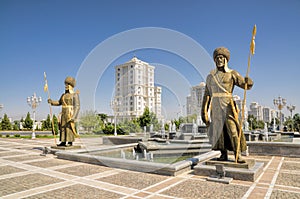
point(224, 126)
point(70, 110)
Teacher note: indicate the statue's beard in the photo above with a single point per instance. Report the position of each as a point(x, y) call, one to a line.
point(67, 91)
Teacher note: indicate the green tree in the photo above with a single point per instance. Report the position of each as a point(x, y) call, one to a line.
point(56, 125)
point(90, 121)
point(167, 127)
point(128, 126)
point(148, 118)
point(16, 125)
point(191, 118)
point(289, 123)
point(108, 129)
point(296, 120)
point(260, 124)
point(5, 123)
point(28, 123)
point(102, 116)
point(46, 125)
point(177, 123)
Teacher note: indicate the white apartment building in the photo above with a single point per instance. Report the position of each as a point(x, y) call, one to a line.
point(239, 104)
point(135, 90)
point(267, 114)
point(256, 110)
point(194, 100)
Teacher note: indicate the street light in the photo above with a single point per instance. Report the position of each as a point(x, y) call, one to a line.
point(251, 124)
point(280, 103)
point(33, 102)
point(291, 108)
point(1, 107)
point(114, 104)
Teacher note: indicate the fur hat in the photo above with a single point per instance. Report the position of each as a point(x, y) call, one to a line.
point(71, 81)
point(222, 51)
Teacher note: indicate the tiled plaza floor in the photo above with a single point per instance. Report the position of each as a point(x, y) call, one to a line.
point(24, 173)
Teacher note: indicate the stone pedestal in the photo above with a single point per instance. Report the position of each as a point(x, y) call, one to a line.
point(66, 147)
point(248, 171)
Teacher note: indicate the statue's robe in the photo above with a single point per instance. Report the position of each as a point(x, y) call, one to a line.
point(224, 126)
point(70, 109)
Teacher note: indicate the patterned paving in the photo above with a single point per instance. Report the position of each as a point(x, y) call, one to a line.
point(26, 174)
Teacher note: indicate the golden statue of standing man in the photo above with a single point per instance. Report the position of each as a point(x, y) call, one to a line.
point(224, 127)
point(70, 110)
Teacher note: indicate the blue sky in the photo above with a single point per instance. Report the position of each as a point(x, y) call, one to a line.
point(60, 37)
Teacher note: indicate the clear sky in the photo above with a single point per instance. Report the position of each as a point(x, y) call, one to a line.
point(62, 37)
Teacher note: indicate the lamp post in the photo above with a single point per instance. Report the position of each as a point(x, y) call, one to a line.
point(291, 108)
point(33, 102)
point(280, 103)
point(274, 121)
point(251, 124)
point(114, 105)
point(1, 107)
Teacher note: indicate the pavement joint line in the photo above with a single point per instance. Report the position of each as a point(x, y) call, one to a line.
point(36, 160)
point(103, 185)
point(17, 151)
point(17, 174)
point(287, 188)
point(85, 180)
point(290, 172)
point(151, 186)
point(39, 190)
point(23, 166)
point(63, 176)
point(272, 184)
point(103, 174)
point(252, 187)
point(45, 171)
point(165, 188)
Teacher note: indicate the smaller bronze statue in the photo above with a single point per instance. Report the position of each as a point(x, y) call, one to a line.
point(70, 110)
point(224, 127)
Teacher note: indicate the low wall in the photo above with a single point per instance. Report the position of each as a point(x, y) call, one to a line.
point(117, 140)
point(274, 148)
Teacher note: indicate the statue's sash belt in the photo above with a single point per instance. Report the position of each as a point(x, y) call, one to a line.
point(67, 106)
point(221, 95)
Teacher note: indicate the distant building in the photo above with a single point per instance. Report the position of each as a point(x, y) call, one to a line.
point(267, 114)
point(135, 90)
point(239, 104)
point(194, 100)
point(256, 110)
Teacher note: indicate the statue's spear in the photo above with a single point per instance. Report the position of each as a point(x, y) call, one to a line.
point(47, 90)
point(251, 53)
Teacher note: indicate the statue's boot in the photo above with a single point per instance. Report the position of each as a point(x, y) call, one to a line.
point(224, 156)
point(70, 144)
point(62, 144)
point(239, 158)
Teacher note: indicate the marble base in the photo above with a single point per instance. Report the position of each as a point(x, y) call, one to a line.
point(224, 180)
point(248, 171)
point(66, 147)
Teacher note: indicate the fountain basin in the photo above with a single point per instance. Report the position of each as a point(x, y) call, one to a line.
point(171, 169)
